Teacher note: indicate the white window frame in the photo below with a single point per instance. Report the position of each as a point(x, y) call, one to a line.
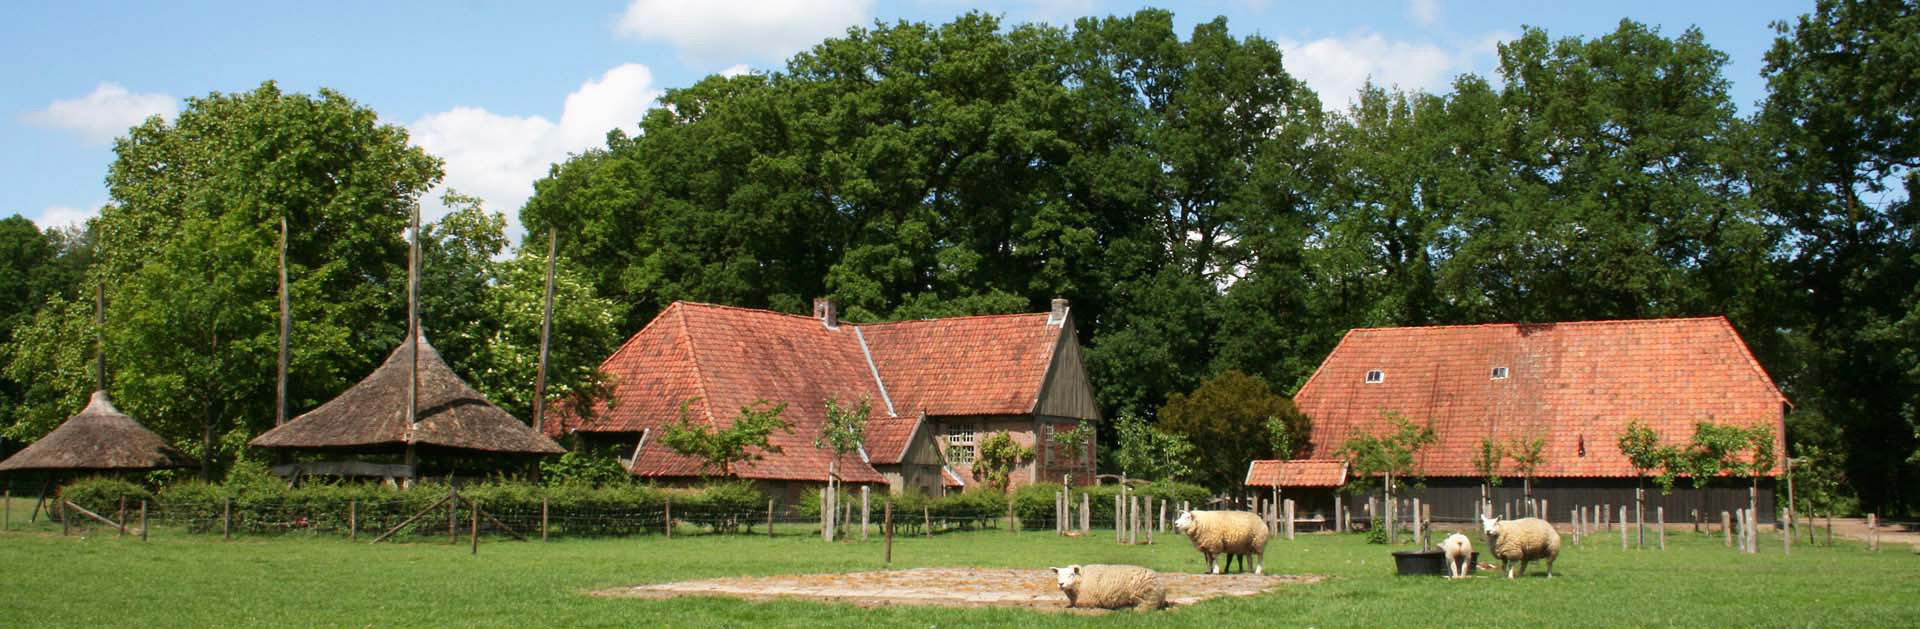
point(1499, 373)
point(963, 438)
point(1376, 376)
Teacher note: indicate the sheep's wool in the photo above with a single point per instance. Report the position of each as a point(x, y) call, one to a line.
point(1114, 587)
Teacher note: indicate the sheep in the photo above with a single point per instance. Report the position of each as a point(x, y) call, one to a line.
point(1111, 587)
point(1216, 533)
point(1521, 541)
point(1459, 552)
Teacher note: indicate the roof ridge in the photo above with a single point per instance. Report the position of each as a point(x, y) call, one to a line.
point(742, 309)
point(699, 375)
point(939, 319)
point(1508, 325)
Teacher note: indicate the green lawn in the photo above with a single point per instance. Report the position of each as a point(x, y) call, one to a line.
point(178, 579)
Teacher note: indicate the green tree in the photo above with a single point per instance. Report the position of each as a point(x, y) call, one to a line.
point(1486, 461)
point(1074, 442)
point(1527, 454)
point(746, 439)
point(999, 454)
point(843, 432)
point(1228, 417)
point(1837, 171)
point(1388, 455)
point(1146, 452)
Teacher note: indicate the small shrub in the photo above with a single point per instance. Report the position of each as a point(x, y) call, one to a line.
point(102, 495)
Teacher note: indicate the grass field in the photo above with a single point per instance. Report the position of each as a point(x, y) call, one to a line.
point(178, 579)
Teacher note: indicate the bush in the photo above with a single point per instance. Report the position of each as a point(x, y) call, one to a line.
point(102, 495)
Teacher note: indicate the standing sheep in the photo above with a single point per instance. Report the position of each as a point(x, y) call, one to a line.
point(1521, 541)
point(1459, 552)
point(1111, 587)
point(1216, 533)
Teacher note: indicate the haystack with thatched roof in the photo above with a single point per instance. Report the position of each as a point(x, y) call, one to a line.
point(99, 438)
point(372, 416)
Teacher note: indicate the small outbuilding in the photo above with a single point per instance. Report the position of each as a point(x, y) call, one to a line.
point(98, 439)
point(1309, 483)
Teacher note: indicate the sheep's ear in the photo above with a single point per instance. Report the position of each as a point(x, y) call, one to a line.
point(1076, 568)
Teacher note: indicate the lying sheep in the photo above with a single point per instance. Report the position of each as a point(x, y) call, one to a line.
point(1111, 587)
point(1459, 551)
point(1216, 533)
point(1521, 541)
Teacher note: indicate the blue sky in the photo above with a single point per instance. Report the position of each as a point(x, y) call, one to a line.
point(502, 89)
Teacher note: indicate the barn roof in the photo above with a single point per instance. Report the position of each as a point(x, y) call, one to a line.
point(99, 437)
point(1297, 473)
point(373, 414)
point(1575, 385)
point(716, 359)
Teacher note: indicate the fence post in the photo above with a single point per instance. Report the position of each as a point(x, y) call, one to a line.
point(1660, 519)
point(143, 520)
point(353, 520)
point(886, 525)
point(1640, 517)
point(1786, 532)
point(1133, 519)
point(6, 521)
point(1291, 517)
point(1873, 532)
point(121, 517)
point(543, 518)
point(1119, 517)
point(1148, 517)
point(226, 518)
point(926, 521)
point(667, 507)
point(1163, 516)
point(1623, 527)
point(1574, 514)
point(770, 515)
point(1726, 530)
point(473, 535)
point(866, 510)
point(60, 502)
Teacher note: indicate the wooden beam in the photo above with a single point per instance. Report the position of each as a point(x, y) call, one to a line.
point(546, 332)
point(286, 330)
point(430, 508)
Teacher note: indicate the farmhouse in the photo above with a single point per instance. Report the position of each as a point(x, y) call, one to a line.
point(1574, 385)
point(937, 388)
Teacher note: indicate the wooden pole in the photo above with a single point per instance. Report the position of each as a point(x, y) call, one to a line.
point(1660, 520)
point(1119, 518)
point(1790, 503)
point(1726, 530)
point(1339, 520)
point(886, 524)
point(1133, 520)
point(1148, 517)
point(286, 330)
point(226, 518)
point(1623, 527)
point(926, 522)
point(546, 331)
point(143, 520)
point(66, 526)
point(410, 519)
point(543, 518)
point(770, 517)
point(669, 516)
point(1290, 518)
point(6, 521)
point(1416, 525)
point(453, 536)
point(121, 516)
point(353, 520)
point(1873, 532)
point(866, 509)
point(1829, 529)
point(1086, 514)
point(473, 534)
point(100, 336)
point(1163, 516)
point(1786, 535)
point(413, 329)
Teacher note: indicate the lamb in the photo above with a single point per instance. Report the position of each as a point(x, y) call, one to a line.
point(1459, 552)
point(1216, 533)
point(1111, 587)
point(1521, 541)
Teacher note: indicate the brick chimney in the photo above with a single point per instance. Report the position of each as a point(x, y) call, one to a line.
point(1059, 313)
point(827, 312)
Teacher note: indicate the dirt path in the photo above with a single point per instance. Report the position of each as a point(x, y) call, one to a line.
point(951, 587)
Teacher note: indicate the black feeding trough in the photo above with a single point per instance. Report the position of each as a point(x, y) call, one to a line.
point(1427, 562)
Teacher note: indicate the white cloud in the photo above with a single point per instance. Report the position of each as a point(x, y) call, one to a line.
point(735, 70)
point(766, 30)
point(104, 114)
point(64, 216)
point(1337, 67)
point(497, 157)
point(1426, 12)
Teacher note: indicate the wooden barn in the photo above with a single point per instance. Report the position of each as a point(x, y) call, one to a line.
point(1574, 385)
point(1309, 483)
point(936, 388)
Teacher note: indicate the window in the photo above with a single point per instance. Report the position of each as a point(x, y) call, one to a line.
point(1499, 373)
point(960, 444)
point(1376, 376)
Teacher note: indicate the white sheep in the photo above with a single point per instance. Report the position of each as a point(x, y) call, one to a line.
point(1521, 541)
point(1111, 587)
point(1459, 551)
point(1216, 533)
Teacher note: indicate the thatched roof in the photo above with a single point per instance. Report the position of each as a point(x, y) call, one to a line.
point(373, 415)
point(99, 438)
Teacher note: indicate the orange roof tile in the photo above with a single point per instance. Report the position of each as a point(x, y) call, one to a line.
point(1577, 385)
point(989, 365)
point(717, 359)
point(1297, 473)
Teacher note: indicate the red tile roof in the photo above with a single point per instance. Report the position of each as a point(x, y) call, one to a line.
point(991, 365)
point(723, 358)
point(887, 438)
point(1297, 473)
point(1575, 384)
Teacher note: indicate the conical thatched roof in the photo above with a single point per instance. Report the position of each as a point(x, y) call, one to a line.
point(373, 415)
point(99, 438)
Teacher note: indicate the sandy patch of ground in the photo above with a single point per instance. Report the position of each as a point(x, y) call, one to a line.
point(951, 587)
